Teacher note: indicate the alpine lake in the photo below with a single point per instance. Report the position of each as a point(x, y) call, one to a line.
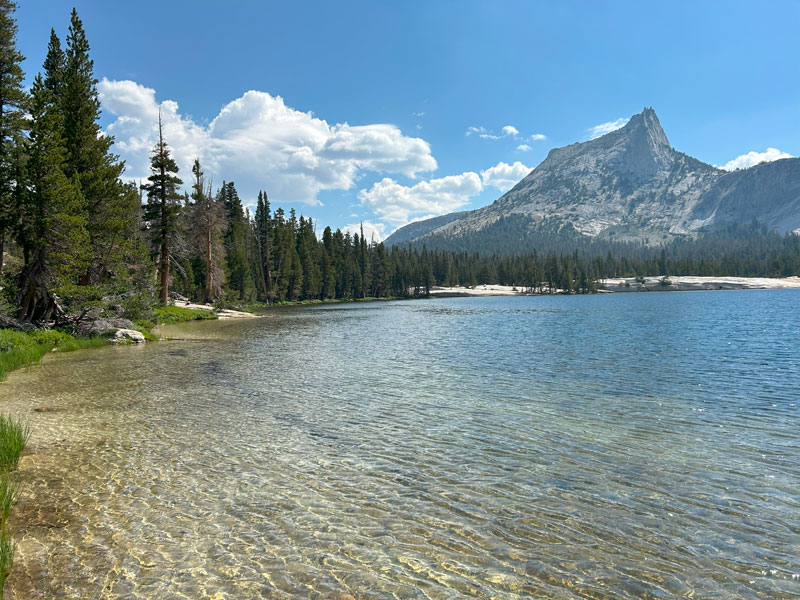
point(605, 446)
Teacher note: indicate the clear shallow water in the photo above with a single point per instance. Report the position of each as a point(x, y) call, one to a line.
point(613, 446)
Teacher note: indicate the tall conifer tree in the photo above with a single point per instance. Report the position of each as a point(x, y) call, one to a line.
point(263, 228)
point(239, 278)
point(12, 107)
point(89, 156)
point(206, 225)
point(53, 217)
point(163, 206)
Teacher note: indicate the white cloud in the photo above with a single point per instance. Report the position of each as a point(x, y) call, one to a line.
point(604, 128)
point(538, 137)
point(397, 204)
point(376, 231)
point(504, 176)
point(523, 148)
point(418, 114)
point(482, 132)
point(753, 158)
point(259, 142)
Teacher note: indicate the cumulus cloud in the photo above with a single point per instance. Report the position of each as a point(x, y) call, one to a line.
point(260, 142)
point(372, 231)
point(523, 147)
point(753, 158)
point(397, 204)
point(604, 128)
point(504, 176)
point(538, 137)
point(482, 132)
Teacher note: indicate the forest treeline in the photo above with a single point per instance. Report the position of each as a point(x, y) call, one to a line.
point(73, 233)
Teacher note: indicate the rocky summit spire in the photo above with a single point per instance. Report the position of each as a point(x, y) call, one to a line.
point(646, 123)
point(641, 147)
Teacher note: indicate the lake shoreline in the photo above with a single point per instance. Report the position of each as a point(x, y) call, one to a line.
point(632, 284)
point(605, 286)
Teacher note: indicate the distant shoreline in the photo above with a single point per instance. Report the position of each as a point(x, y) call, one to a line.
point(634, 284)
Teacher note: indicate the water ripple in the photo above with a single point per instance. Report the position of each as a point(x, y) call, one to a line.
point(626, 446)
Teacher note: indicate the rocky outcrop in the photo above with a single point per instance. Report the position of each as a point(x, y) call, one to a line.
point(102, 327)
point(7, 322)
point(628, 185)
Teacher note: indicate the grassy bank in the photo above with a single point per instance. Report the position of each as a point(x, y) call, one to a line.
point(169, 315)
point(18, 348)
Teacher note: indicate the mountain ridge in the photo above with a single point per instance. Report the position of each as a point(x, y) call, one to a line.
point(628, 185)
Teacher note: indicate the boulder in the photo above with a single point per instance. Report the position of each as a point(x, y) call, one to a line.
point(102, 326)
point(127, 336)
point(12, 323)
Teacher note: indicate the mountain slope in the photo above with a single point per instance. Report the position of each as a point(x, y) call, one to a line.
point(628, 185)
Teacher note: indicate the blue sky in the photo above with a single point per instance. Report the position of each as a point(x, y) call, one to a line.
point(385, 112)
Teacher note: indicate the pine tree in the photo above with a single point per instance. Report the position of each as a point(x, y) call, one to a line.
point(327, 265)
point(263, 229)
point(54, 65)
point(13, 100)
point(206, 226)
point(238, 269)
point(163, 208)
point(53, 227)
point(88, 153)
point(307, 250)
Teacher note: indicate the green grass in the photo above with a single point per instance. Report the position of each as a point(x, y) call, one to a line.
point(178, 314)
point(261, 306)
point(169, 315)
point(9, 491)
point(13, 438)
point(18, 348)
point(6, 558)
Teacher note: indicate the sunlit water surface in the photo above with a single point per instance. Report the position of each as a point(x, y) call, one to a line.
point(614, 446)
